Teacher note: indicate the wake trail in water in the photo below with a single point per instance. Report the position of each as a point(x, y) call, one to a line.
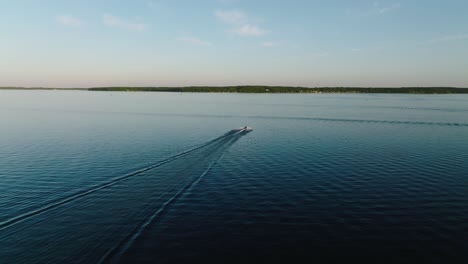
point(372, 121)
point(116, 253)
point(82, 193)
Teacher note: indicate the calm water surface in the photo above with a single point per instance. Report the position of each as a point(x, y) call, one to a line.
point(88, 177)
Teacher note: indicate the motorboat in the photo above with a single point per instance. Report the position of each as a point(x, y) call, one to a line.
point(245, 129)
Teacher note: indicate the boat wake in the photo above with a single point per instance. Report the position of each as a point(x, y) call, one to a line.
point(234, 134)
point(100, 223)
point(116, 252)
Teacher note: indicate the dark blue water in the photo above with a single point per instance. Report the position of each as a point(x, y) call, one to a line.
point(89, 177)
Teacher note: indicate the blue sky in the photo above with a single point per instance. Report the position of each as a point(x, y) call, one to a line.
point(55, 43)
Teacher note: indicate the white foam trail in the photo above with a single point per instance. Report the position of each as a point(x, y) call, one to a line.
point(115, 253)
point(17, 219)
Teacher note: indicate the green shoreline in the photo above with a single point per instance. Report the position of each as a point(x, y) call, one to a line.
point(264, 89)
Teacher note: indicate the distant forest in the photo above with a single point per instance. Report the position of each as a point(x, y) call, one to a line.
point(288, 89)
point(266, 89)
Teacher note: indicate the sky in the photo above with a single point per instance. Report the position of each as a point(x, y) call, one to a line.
point(89, 43)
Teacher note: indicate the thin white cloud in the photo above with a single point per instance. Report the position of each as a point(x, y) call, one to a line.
point(232, 16)
point(195, 41)
point(270, 44)
point(117, 22)
point(376, 9)
point(380, 9)
point(240, 22)
point(69, 21)
point(250, 30)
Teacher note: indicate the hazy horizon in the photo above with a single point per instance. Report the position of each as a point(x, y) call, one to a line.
point(221, 86)
point(361, 43)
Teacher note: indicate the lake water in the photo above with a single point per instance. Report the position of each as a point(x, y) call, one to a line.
point(89, 177)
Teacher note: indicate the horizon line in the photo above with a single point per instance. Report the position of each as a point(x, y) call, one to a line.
point(225, 86)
